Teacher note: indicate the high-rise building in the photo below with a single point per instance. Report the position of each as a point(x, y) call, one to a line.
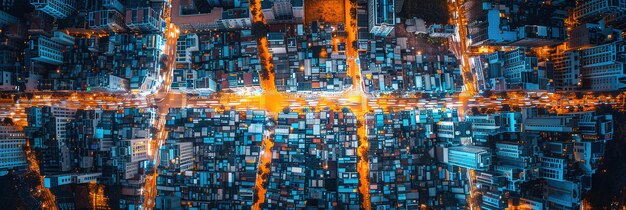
point(510, 150)
point(236, 18)
point(107, 83)
point(194, 21)
point(519, 70)
point(382, 16)
point(129, 155)
point(592, 9)
point(47, 132)
point(470, 157)
point(193, 81)
point(7, 80)
point(6, 19)
point(593, 127)
point(591, 34)
point(485, 126)
point(456, 132)
point(552, 168)
point(71, 178)
point(55, 8)
point(567, 70)
point(143, 19)
point(187, 44)
point(177, 156)
point(113, 4)
point(504, 23)
point(562, 194)
point(549, 124)
point(12, 142)
point(486, 27)
point(283, 10)
point(603, 67)
point(46, 50)
point(110, 20)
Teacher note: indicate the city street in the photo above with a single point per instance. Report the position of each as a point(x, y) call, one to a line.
point(473, 99)
point(164, 99)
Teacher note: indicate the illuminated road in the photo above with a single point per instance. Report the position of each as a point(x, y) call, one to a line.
point(351, 50)
point(263, 174)
point(468, 79)
point(48, 200)
point(17, 110)
point(265, 57)
point(556, 102)
point(360, 108)
point(355, 99)
point(163, 99)
point(471, 177)
point(270, 96)
point(97, 198)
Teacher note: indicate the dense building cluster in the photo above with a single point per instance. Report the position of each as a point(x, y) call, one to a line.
point(210, 160)
point(82, 146)
point(116, 46)
point(309, 58)
point(417, 157)
point(12, 142)
point(538, 46)
point(541, 160)
point(103, 46)
point(179, 88)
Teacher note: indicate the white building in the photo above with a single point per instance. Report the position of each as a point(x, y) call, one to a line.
point(73, 178)
point(277, 43)
point(484, 126)
point(130, 153)
point(438, 30)
point(107, 83)
point(517, 67)
point(12, 154)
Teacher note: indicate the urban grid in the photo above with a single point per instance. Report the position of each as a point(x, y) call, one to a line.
point(313, 104)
